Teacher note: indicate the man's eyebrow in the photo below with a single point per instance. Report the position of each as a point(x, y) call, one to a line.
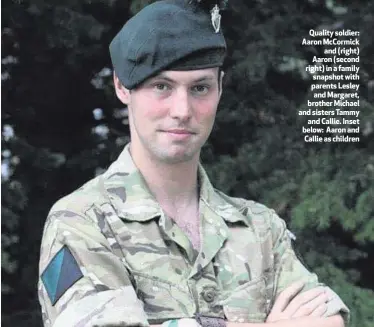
point(164, 77)
point(205, 78)
point(200, 79)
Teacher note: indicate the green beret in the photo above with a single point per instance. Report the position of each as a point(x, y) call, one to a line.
point(167, 34)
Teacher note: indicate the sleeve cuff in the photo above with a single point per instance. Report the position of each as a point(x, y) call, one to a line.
point(336, 306)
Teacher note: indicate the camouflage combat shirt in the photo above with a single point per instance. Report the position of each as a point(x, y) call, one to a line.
point(111, 257)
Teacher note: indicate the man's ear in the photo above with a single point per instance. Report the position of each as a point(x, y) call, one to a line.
point(221, 83)
point(122, 93)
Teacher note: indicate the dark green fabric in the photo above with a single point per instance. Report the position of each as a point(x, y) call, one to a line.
point(165, 34)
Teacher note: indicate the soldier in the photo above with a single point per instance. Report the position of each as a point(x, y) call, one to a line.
point(150, 241)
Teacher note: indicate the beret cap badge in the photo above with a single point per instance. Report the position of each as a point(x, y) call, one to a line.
point(216, 18)
point(214, 13)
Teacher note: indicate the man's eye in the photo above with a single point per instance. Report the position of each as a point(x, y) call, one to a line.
point(201, 89)
point(160, 87)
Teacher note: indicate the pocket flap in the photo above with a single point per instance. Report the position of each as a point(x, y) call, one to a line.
point(247, 303)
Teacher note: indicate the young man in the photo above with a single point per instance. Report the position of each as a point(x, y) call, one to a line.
point(151, 241)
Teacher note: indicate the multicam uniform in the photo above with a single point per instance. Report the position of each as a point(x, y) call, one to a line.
point(111, 257)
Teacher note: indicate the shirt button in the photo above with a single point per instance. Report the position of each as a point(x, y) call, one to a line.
point(198, 275)
point(209, 295)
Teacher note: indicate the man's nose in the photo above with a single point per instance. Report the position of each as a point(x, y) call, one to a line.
point(181, 105)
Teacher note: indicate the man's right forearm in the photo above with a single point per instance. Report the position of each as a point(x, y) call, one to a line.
point(333, 321)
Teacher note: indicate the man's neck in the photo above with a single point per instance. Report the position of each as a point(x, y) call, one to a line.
point(175, 186)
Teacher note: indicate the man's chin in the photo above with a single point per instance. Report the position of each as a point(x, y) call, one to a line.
point(177, 157)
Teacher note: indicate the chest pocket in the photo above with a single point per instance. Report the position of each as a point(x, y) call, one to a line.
point(247, 303)
point(246, 276)
point(162, 299)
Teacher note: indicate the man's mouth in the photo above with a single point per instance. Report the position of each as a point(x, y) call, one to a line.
point(179, 131)
point(179, 134)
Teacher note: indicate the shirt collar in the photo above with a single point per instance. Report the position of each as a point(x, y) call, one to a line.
point(128, 191)
point(129, 194)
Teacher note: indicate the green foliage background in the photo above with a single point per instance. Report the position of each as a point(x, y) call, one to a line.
point(56, 70)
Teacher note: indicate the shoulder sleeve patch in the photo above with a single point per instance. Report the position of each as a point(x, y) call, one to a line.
point(61, 273)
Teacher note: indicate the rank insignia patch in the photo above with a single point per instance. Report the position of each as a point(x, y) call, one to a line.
point(61, 273)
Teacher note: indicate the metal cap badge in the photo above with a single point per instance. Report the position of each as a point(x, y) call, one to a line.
point(216, 18)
